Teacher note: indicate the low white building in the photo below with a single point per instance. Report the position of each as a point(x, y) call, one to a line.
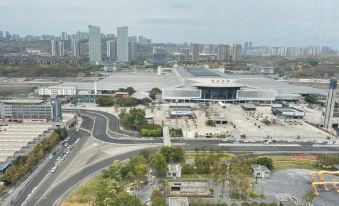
point(174, 170)
point(260, 171)
point(57, 91)
point(262, 70)
point(178, 201)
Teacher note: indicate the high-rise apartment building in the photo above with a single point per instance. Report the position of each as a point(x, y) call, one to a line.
point(94, 44)
point(75, 44)
point(248, 45)
point(195, 52)
point(223, 52)
point(236, 49)
point(132, 49)
point(8, 35)
point(186, 53)
point(80, 35)
point(61, 49)
point(54, 46)
point(57, 48)
point(122, 44)
point(330, 104)
point(144, 41)
point(111, 46)
point(1, 34)
point(63, 35)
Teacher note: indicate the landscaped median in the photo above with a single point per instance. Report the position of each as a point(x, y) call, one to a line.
point(135, 120)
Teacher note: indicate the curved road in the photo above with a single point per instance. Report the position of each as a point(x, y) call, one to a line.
point(100, 119)
point(105, 127)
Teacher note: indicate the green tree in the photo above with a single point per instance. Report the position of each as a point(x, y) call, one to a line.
point(239, 179)
point(154, 92)
point(126, 200)
point(175, 154)
point(160, 165)
point(313, 99)
point(139, 168)
point(127, 101)
point(146, 101)
point(157, 199)
point(104, 101)
point(268, 162)
point(130, 90)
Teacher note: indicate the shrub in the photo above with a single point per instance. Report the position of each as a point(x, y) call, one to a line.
point(175, 132)
point(268, 162)
point(104, 101)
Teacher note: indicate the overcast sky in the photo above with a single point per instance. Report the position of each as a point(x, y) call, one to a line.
point(265, 22)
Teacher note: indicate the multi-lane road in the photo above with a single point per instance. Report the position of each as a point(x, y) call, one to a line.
point(42, 189)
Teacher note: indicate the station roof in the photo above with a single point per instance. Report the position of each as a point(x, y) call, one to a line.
point(282, 87)
point(22, 101)
point(198, 72)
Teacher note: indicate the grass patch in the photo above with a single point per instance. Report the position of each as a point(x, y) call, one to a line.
point(67, 203)
point(197, 176)
point(192, 155)
point(79, 197)
point(6, 92)
point(286, 162)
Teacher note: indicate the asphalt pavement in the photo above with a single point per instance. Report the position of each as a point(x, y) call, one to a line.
point(26, 196)
point(105, 128)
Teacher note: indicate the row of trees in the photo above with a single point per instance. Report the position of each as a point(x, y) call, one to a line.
point(155, 91)
point(135, 120)
point(132, 102)
point(107, 101)
point(126, 101)
point(130, 91)
point(175, 132)
point(23, 164)
point(104, 101)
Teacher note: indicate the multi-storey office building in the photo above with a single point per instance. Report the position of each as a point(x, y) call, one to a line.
point(30, 110)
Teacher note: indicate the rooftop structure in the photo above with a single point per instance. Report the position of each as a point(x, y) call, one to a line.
point(178, 201)
point(260, 171)
point(140, 95)
point(288, 112)
point(189, 187)
point(179, 111)
point(16, 138)
point(261, 70)
point(173, 170)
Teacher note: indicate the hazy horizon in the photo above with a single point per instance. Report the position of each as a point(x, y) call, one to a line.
point(264, 22)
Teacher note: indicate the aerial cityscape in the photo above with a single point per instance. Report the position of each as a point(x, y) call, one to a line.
point(169, 103)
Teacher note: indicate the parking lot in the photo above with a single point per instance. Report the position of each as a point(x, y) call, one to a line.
point(294, 183)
